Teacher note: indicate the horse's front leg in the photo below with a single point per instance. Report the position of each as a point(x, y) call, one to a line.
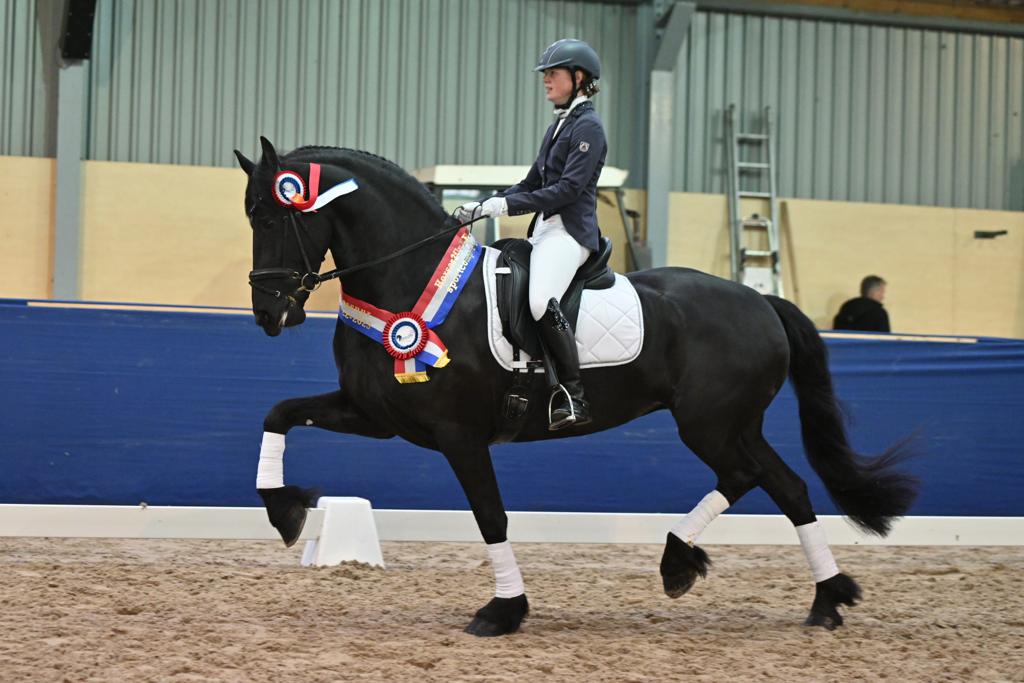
point(475, 472)
point(287, 505)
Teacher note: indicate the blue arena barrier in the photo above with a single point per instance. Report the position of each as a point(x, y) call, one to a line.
point(116, 406)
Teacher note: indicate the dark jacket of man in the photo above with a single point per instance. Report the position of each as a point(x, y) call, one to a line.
point(563, 179)
point(862, 313)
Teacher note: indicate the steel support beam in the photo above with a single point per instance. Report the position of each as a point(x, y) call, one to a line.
point(661, 92)
point(843, 14)
point(67, 239)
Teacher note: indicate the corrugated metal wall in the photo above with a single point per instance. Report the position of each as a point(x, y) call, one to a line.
point(23, 81)
point(418, 81)
point(864, 113)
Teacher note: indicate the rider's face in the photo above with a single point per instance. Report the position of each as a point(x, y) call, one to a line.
point(557, 85)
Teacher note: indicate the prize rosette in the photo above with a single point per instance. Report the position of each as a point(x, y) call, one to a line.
point(289, 188)
point(404, 336)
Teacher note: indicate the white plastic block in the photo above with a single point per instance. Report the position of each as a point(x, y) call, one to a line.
point(348, 533)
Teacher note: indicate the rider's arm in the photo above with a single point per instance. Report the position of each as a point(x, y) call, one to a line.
point(586, 149)
point(528, 184)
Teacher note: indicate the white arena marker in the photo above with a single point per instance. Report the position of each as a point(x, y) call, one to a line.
point(348, 533)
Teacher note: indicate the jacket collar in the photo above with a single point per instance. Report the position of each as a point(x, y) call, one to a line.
point(561, 113)
point(573, 113)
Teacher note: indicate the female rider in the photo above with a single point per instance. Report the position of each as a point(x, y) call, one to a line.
point(561, 189)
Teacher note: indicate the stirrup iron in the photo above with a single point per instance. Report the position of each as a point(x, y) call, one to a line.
point(571, 420)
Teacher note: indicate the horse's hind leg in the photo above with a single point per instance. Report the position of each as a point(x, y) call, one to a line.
point(287, 505)
point(683, 561)
point(472, 465)
point(789, 492)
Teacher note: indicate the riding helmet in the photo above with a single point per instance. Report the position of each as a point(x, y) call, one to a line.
point(572, 54)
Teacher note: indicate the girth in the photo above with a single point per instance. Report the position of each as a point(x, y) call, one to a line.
point(512, 289)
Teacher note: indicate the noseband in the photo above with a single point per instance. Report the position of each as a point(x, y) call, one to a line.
point(305, 283)
point(312, 279)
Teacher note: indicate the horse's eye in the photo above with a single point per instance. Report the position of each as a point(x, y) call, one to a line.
point(262, 221)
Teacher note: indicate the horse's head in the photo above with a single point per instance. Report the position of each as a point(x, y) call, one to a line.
point(290, 201)
point(289, 239)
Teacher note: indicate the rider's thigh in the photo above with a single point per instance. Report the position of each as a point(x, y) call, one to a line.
point(553, 262)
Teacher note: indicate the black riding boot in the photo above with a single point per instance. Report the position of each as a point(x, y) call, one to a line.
point(568, 405)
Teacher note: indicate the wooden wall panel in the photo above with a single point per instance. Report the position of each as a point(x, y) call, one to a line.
point(26, 227)
point(699, 232)
point(164, 234)
point(836, 244)
point(988, 274)
point(178, 235)
point(941, 279)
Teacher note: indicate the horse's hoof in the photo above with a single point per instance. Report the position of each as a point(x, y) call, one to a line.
point(286, 509)
point(827, 621)
point(499, 617)
point(681, 564)
point(828, 595)
point(679, 585)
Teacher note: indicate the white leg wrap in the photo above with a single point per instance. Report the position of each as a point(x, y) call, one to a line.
point(508, 580)
point(819, 555)
point(270, 471)
point(691, 526)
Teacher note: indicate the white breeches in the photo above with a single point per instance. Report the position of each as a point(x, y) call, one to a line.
point(554, 261)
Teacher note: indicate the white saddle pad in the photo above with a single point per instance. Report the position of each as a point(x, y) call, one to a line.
point(609, 331)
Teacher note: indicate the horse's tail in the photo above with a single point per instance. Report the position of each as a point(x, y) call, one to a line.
point(870, 491)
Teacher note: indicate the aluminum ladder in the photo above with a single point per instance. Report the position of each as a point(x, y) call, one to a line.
point(759, 268)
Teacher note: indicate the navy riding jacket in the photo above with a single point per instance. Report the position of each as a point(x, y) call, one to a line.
point(563, 179)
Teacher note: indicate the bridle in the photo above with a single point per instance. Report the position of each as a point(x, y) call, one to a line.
point(311, 279)
point(307, 282)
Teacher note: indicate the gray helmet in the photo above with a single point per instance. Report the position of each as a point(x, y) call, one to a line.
point(571, 54)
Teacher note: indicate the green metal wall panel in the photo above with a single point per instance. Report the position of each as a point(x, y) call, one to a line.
point(23, 82)
point(419, 81)
point(864, 113)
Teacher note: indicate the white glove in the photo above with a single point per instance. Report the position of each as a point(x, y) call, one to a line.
point(467, 211)
point(494, 207)
point(491, 208)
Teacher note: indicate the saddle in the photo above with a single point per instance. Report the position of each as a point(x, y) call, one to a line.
point(513, 293)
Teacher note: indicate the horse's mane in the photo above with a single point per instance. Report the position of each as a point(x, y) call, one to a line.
point(340, 154)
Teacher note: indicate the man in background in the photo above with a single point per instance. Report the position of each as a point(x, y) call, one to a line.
point(864, 313)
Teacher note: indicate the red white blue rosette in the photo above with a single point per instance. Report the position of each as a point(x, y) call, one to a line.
point(289, 188)
point(404, 336)
point(409, 337)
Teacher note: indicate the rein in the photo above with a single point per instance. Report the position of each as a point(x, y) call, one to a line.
point(312, 279)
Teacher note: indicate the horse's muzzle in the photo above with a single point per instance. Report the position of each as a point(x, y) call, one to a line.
point(266, 321)
point(273, 322)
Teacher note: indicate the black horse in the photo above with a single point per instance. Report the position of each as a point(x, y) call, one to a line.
point(715, 355)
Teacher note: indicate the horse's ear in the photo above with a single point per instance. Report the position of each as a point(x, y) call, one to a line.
point(269, 154)
point(244, 162)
